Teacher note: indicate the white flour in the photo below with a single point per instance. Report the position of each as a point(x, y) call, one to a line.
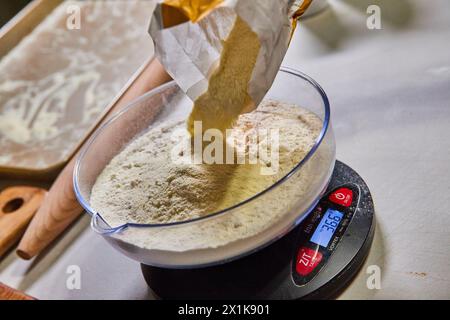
point(143, 185)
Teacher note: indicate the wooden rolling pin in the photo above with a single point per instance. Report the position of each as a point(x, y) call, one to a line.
point(17, 207)
point(60, 207)
point(7, 293)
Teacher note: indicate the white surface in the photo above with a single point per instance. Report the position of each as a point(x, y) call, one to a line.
point(390, 96)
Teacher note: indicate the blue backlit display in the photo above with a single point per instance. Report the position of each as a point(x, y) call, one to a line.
point(327, 227)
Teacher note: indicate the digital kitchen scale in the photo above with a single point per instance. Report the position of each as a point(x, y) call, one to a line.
point(316, 260)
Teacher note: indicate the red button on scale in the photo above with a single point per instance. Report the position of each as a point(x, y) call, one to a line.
point(307, 260)
point(342, 196)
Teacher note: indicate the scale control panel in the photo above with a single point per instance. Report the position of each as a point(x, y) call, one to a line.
point(322, 231)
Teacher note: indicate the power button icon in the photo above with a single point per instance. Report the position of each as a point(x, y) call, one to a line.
point(339, 196)
point(342, 196)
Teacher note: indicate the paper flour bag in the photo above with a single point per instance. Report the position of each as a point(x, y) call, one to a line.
point(222, 46)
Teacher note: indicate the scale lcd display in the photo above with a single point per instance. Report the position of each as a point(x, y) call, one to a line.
point(327, 227)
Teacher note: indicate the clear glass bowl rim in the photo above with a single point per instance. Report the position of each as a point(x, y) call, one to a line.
point(85, 204)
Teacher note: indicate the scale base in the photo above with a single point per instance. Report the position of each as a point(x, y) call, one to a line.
point(267, 274)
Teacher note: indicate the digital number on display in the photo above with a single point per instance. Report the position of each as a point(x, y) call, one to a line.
point(327, 227)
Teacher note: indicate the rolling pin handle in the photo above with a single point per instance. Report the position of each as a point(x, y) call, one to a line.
point(101, 227)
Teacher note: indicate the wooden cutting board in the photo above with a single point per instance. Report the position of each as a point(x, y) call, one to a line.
point(57, 83)
point(7, 293)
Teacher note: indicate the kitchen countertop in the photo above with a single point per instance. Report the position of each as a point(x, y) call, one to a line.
point(390, 95)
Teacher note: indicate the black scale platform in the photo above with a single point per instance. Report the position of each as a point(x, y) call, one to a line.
point(316, 260)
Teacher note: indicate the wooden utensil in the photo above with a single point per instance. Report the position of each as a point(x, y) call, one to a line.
point(17, 207)
point(61, 207)
point(7, 293)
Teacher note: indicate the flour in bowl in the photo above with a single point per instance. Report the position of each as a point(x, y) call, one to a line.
point(143, 184)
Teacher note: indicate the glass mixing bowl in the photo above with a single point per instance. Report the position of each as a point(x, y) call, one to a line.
point(201, 242)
